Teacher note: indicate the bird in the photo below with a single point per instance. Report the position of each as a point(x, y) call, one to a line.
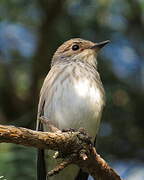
point(72, 96)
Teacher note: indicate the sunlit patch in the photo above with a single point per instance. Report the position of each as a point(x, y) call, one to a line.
point(84, 89)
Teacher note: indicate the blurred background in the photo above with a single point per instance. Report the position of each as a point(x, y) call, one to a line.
point(30, 32)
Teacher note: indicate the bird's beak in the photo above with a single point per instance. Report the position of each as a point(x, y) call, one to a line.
point(100, 45)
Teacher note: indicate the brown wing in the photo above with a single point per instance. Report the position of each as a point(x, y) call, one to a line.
point(45, 90)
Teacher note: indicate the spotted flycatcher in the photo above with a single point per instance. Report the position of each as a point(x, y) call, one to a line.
point(72, 96)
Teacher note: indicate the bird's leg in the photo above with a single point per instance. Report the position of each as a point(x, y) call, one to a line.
point(49, 124)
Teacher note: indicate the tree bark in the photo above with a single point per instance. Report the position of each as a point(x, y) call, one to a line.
point(70, 144)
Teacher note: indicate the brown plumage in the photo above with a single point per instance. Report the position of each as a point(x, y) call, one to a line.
point(72, 95)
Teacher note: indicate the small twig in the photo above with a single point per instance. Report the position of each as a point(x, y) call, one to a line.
point(59, 167)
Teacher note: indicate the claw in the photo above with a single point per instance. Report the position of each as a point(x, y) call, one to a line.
point(69, 130)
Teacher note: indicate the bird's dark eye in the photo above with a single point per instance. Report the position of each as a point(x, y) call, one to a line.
point(75, 47)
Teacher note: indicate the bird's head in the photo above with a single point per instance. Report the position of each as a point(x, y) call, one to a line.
point(78, 49)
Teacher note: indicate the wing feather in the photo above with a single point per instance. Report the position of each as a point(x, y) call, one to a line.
point(48, 83)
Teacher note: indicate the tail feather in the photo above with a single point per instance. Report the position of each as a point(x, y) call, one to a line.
point(41, 165)
point(82, 175)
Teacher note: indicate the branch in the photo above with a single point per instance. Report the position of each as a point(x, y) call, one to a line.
point(75, 145)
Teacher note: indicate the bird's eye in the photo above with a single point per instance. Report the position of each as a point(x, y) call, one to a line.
point(75, 47)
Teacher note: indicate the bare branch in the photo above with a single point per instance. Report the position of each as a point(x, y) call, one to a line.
point(74, 147)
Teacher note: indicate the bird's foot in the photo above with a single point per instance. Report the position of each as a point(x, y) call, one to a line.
point(83, 131)
point(85, 134)
point(69, 130)
point(49, 124)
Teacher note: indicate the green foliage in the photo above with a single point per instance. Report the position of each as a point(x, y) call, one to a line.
point(17, 162)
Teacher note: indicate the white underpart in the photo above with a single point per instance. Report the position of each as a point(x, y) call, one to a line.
point(75, 105)
point(82, 88)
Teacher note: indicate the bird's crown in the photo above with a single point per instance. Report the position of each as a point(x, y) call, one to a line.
point(77, 48)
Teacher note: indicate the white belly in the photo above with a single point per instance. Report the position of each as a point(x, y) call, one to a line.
point(72, 103)
point(75, 106)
